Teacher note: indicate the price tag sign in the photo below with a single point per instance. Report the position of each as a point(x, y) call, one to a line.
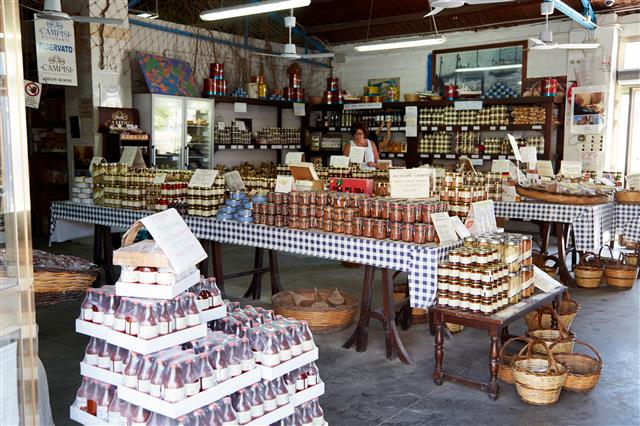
point(299, 109)
point(461, 230)
point(633, 181)
point(411, 119)
point(203, 178)
point(132, 157)
point(500, 166)
point(339, 161)
point(356, 154)
point(293, 158)
point(409, 183)
point(233, 181)
point(159, 178)
point(467, 105)
point(514, 147)
point(571, 169)
point(482, 218)
point(545, 168)
point(239, 107)
point(529, 156)
point(444, 227)
point(284, 184)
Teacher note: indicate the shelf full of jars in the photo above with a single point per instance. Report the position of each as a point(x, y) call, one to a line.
point(489, 273)
point(236, 136)
point(156, 362)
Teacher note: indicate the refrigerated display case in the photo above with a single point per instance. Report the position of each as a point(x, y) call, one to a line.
point(180, 129)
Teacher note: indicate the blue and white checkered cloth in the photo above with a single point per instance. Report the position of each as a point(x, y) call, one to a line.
point(593, 225)
point(628, 221)
point(419, 261)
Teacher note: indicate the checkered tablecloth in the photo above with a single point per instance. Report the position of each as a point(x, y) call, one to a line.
point(419, 261)
point(593, 225)
point(628, 221)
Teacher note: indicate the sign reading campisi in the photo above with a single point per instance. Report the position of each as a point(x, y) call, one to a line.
point(56, 52)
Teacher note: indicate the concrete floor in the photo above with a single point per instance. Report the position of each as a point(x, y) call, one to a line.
point(366, 389)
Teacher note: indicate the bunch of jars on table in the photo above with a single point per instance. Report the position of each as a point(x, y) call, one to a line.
point(487, 274)
point(351, 214)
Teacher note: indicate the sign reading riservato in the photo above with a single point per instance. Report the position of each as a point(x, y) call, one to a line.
point(56, 52)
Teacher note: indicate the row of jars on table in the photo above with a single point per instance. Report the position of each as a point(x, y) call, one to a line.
point(512, 248)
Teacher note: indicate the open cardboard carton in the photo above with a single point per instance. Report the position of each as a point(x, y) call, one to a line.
point(305, 178)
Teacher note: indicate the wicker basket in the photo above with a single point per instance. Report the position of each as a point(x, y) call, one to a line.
point(505, 366)
point(411, 97)
point(539, 381)
point(557, 198)
point(631, 257)
point(557, 340)
point(454, 328)
point(567, 310)
point(628, 197)
point(583, 371)
point(55, 286)
point(589, 271)
point(321, 320)
point(621, 276)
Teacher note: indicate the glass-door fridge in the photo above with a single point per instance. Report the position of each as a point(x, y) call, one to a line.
point(199, 133)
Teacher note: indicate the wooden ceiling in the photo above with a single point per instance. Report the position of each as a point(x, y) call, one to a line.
point(347, 21)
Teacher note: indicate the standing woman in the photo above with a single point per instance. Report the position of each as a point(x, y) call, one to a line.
point(359, 133)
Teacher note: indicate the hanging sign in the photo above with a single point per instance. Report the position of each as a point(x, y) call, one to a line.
point(56, 52)
point(32, 92)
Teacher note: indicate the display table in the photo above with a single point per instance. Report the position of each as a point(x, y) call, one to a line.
point(628, 221)
point(418, 261)
point(496, 326)
point(593, 226)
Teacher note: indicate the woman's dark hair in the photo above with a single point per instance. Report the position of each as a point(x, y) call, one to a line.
point(359, 125)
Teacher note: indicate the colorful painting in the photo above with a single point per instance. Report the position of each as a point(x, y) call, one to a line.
point(389, 88)
point(167, 76)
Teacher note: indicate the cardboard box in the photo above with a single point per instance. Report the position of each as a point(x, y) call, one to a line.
point(85, 418)
point(272, 417)
point(214, 314)
point(308, 394)
point(270, 373)
point(100, 374)
point(142, 253)
point(177, 409)
point(356, 186)
point(157, 291)
point(305, 177)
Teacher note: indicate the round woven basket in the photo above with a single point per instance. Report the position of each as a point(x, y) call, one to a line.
point(621, 276)
point(505, 366)
point(321, 320)
point(558, 340)
point(539, 381)
point(56, 286)
point(567, 310)
point(589, 271)
point(627, 196)
point(583, 371)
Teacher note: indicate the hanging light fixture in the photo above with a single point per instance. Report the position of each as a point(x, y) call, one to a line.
point(146, 14)
point(252, 9)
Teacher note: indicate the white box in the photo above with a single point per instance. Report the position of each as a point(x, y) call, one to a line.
point(159, 343)
point(157, 291)
point(270, 373)
point(177, 409)
point(308, 394)
point(91, 329)
point(214, 314)
point(273, 416)
point(100, 374)
point(85, 418)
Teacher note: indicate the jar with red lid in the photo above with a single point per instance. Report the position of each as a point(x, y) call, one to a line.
point(420, 233)
point(380, 229)
point(304, 210)
point(338, 214)
point(279, 221)
point(303, 223)
point(328, 213)
point(407, 232)
point(395, 231)
point(294, 222)
point(294, 198)
point(357, 226)
point(338, 226)
point(327, 225)
point(408, 213)
point(294, 210)
point(431, 233)
point(304, 198)
point(271, 209)
point(395, 211)
point(271, 219)
point(365, 207)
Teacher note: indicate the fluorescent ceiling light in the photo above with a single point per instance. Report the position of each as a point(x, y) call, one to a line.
point(147, 15)
point(252, 9)
point(401, 44)
point(567, 46)
point(490, 68)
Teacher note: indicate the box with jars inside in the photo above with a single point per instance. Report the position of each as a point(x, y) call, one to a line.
point(487, 273)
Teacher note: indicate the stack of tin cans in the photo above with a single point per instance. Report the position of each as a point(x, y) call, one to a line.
point(332, 95)
point(215, 85)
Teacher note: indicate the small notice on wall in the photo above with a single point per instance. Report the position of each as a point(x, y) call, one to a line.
point(32, 92)
point(299, 109)
point(203, 178)
point(409, 183)
point(239, 107)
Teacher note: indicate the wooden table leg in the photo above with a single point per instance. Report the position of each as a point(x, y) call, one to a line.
point(274, 271)
point(504, 336)
point(359, 335)
point(217, 266)
point(255, 289)
point(565, 275)
point(436, 320)
point(392, 338)
point(494, 352)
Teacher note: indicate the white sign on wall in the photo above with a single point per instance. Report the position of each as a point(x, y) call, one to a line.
point(32, 92)
point(56, 52)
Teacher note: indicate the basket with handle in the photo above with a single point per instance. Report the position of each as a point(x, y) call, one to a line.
point(560, 338)
point(538, 380)
point(589, 271)
point(631, 257)
point(567, 310)
point(505, 365)
point(583, 371)
point(620, 276)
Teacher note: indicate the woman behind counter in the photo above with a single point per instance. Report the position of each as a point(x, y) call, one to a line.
point(360, 138)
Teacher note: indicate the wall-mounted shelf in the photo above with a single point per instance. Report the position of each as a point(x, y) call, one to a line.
point(255, 147)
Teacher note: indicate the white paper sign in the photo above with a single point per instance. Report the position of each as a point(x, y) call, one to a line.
point(461, 230)
point(411, 121)
point(543, 281)
point(241, 126)
point(467, 105)
point(356, 154)
point(132, 157)
point(514, 146)
point(239, 107)
point(175, 239)
point(444, 227)
point(368, 105)
point(233, 181)
point(293, 158)
point(500, 166)
point(409, 183)
point(299, 109)
point(56, 52)
point(339, 161)
point(529, 156)
point(284, 183)
point(633, 181)
point(159, 178)
point(482, 218)
point(545, 168)
point(32, 92)
point(203, 178)
point(221, 125)
point(571, 169)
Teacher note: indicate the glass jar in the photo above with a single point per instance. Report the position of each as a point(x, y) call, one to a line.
point(365, 207)
point(443, 298)
point(408, 213)
point(469, 242)
point(526, 246)
point(380, 229)
point(443, 283)
point(443, 270)
point(475, 288)
point(294, 198)
point(367, 227)
point(454, 271)
point(515, 287)
point(327, 225)
point(312, 210)
point(338, 214)
point(466, 257)
point(303, 211)
point(395, 211)
point(328, 213)
point(417, 211)
point(320, 211)
point(431, 233)
point(376, 207)
point(321, 198)
point(407, 233)
point(496, 244)
point(527, 281)
point(448, 179)
point(464, 302)
point(294, 221)
point(485, 307)
point(427, 209)
point(278, 221)
point(454, 257)
point(338, 226)
point(319, 223)
point(464, 272)
point(512, 255)
point(395, 231)
point(454, 286)
point(349, 214)
point(357, 226)
point(475, 303)
point(303, 223)
point(348, 227)
point(420, 233)
point(475, 274)
point(384, 209)
point(454, 300)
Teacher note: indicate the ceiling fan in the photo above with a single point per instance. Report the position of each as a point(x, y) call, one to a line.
point(545, 39)
point(52, 10)
point(290, 48)
point(438, 6)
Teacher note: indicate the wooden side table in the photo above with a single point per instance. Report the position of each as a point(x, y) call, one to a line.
point(496, 326)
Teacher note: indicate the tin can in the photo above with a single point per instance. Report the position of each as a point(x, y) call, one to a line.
point(333, 84)
point(216, 70)
point(549, 87)
point(451, 92)
point(220, 87)
point(295, 80)
point(208, 87)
